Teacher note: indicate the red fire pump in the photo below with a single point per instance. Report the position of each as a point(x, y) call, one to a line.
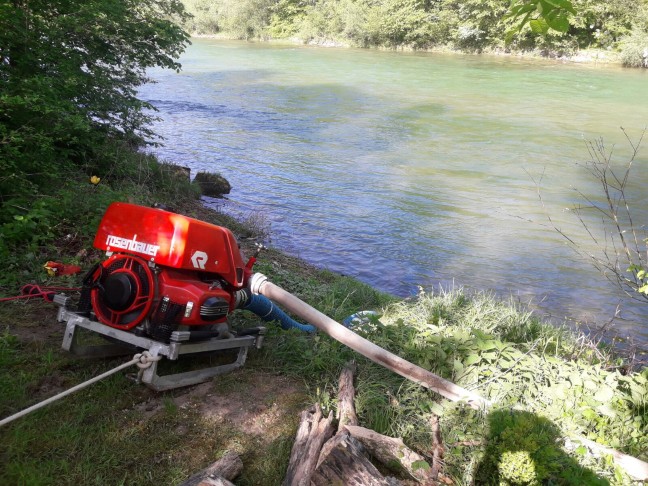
point(164, 270)
point(167, 288)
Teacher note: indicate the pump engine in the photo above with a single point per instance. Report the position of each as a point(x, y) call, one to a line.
point(163, 271)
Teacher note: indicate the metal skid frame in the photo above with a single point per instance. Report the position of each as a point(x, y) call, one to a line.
point(127, 342)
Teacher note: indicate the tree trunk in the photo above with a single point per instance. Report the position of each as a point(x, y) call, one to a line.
point(314, 430)
point(226, 468)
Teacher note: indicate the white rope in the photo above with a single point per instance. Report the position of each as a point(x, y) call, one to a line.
point(142, 360)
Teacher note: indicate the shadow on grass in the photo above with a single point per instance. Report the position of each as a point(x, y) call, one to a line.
point(524, 449)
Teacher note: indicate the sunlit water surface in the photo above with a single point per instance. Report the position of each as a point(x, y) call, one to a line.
point(408, 169)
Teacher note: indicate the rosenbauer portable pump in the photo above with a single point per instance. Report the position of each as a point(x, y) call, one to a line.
point(167, 286)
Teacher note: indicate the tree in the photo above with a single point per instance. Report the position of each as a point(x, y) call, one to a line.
point(69, 73)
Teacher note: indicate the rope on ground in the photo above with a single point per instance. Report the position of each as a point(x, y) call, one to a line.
point(142, 360)
point(30, 291)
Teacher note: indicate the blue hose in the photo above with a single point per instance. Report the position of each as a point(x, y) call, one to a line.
point(266, 310)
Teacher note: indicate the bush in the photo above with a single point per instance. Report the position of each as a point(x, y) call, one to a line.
point(634, 50)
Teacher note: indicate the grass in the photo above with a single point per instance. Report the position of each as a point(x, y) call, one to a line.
point(546, 382)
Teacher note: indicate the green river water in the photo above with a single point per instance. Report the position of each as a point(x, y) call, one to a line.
point(415, 169)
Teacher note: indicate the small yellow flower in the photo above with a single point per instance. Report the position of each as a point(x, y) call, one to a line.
point(51, 271)
point(95, 180)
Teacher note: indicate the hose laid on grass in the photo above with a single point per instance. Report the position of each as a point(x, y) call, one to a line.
point(259, 284)
point(142, 360)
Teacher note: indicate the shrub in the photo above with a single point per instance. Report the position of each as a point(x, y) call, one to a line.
point(634, 50)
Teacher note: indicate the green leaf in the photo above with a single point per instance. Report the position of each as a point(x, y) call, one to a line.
point(539, 26)
point(604, 394)
point(487, 345)
point(559, 23)
point(472, 359)
point(437, 409)
point(566, 5)
point(458, 366)
point(576, 379)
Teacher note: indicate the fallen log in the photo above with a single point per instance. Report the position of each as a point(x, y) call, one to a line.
point(344, 462)
point(313, 431)
point(219, 473)
point(393, 453)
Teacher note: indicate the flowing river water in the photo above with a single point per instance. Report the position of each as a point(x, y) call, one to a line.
point(416, 169)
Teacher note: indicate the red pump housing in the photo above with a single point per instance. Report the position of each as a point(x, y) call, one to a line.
point(165, 270)
point(171, 240)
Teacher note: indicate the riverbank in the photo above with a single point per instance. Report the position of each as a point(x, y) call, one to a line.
point(581, 56)
point(117, 431)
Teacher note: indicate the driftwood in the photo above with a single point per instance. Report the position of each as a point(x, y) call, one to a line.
point(346, 414)
point(438, 451)
point(345, 458)
point(313, 431)
point(394, 453)
point(220, 473)
point(346, 463)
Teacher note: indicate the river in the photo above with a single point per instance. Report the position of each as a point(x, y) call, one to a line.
point(416, 169)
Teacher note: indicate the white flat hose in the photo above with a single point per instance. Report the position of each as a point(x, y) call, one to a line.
point(259, 284)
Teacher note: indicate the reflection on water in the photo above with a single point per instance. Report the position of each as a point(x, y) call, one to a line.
point(412, 169)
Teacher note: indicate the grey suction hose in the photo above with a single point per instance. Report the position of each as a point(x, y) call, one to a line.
point(266, 310)
point(259, 284)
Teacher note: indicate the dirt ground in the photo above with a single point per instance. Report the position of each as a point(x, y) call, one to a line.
point(256, 405)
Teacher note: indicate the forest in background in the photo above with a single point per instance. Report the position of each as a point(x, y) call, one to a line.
point(617, 26)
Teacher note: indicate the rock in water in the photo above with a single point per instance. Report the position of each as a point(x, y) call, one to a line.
point(213, 185)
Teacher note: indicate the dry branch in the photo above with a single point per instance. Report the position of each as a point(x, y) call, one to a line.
point(346, 413)
point(393, 452)
point(225, 469)
point(344, 462)
point(438, 450)
point(314, 430)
